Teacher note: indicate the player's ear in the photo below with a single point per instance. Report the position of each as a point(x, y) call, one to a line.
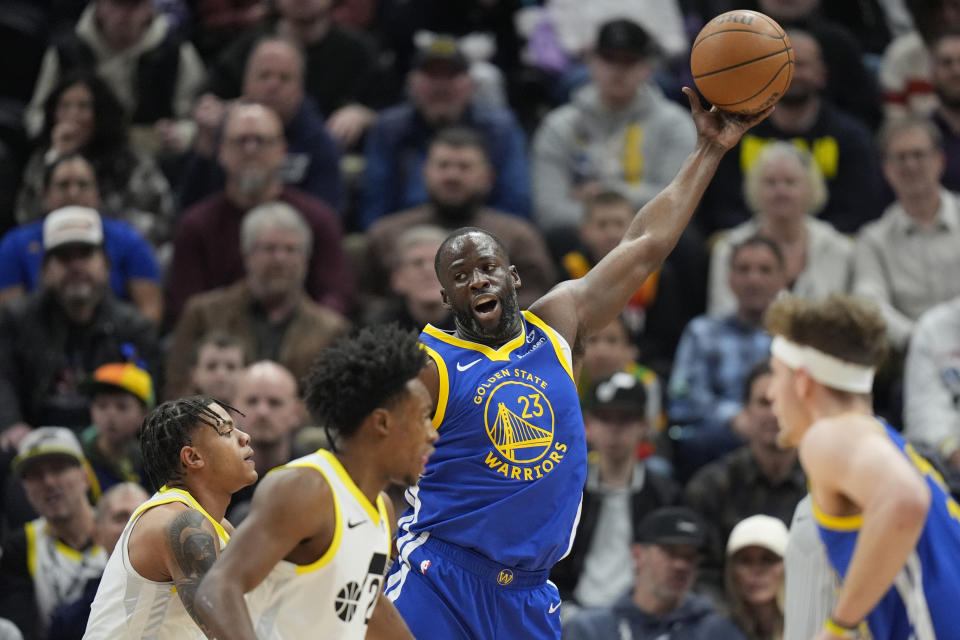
point(445, 300)
point(803, 383)
point(191, 458)
point(380, 419)
point(516, 277)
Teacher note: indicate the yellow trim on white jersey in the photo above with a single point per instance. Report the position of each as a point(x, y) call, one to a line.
point(377, 514)
point(31, 531)
point(182, 496)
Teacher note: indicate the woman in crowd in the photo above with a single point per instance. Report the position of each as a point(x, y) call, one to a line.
point(82, 115)
point(754, 578)
point(785, 190)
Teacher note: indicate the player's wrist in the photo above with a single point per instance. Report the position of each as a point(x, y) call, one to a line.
point(841, 628)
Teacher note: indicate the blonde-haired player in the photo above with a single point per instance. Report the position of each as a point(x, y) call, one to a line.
point(891, 530)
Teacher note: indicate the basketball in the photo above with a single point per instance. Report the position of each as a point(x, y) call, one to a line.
point(742, 61)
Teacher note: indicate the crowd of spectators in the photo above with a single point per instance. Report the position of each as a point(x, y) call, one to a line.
point(197, 196)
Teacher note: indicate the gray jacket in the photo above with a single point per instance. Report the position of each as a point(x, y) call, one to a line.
point(637, 151)
point(695, 619)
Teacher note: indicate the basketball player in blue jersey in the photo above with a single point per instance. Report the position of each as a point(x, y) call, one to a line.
point(890, 528)
point(500, 499)
point(319, 531)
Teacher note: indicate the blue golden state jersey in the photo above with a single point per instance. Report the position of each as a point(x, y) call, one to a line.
point(510, 463)
point(924, 601)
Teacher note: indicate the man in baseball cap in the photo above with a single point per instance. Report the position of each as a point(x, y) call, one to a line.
point(621, 488)
point(72, 226)
point(442, 54)
point(47, 442)
point(625, 40)
point(666, 554)
point(47, 562)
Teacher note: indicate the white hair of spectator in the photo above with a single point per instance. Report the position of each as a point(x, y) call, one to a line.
point(753, 179)
point(273, 215)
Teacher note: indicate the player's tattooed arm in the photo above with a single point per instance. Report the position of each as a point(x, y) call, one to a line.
point(194, 547)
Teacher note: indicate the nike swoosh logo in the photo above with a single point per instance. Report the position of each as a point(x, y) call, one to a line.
point(464, 367)
point(351, 525)
point(554, 607)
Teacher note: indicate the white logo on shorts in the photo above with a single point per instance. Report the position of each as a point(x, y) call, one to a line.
point(424, 566)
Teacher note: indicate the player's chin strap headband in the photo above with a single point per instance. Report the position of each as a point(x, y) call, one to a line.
point(824, 368)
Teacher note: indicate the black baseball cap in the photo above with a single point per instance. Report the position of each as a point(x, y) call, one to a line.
point(625, 38)
point(622, 392)
point(671, 525)
point(442, 52)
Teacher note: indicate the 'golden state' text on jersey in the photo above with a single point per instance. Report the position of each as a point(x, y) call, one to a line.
point(923, 602)
point(510, 463)
point(334, 596)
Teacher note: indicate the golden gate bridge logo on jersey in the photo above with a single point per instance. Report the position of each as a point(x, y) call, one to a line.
point(519, 421)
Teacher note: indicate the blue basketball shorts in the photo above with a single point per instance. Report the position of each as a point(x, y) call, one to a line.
point(447, 592)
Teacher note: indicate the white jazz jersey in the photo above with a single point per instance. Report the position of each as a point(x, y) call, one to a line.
point(59, 572)
point(127, 605)
point(335, 596)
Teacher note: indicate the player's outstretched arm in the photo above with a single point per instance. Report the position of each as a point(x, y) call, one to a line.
point(288, 506)
point(869, 473)
point(604, 291)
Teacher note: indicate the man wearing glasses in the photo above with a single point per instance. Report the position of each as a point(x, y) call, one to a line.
point(207, 252)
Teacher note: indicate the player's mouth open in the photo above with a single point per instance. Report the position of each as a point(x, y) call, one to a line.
point(485, 305)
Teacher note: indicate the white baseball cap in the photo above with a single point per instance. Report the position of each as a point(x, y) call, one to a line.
point(759, 531)
point(72, 225)
point(47, 441)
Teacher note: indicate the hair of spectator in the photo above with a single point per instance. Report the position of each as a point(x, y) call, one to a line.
point(168, 429)
point(245, 103)
point(943, 34)
point(893, 128)
point(459, 233)
point(360, 374)
point(753, 179)
point(758, 240)
point(839, 325)
point(103, 505)
point(758, 370)
point(414, 237)
point(59, 160)
point(460, 136)
point(926, 17)
point(293, 45)
point(220, 340)
point(607, 198)
point(109, 118)
point(274, 215)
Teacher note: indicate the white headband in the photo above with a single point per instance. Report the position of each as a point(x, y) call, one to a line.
point(824, 368)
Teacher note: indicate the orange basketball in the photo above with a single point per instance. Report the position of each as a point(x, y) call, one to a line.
point(742, 61)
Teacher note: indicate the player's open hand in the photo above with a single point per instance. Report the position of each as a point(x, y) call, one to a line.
point(721, 128)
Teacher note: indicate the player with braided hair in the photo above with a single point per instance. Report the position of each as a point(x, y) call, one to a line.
point(198, 456)
point(320, 525)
